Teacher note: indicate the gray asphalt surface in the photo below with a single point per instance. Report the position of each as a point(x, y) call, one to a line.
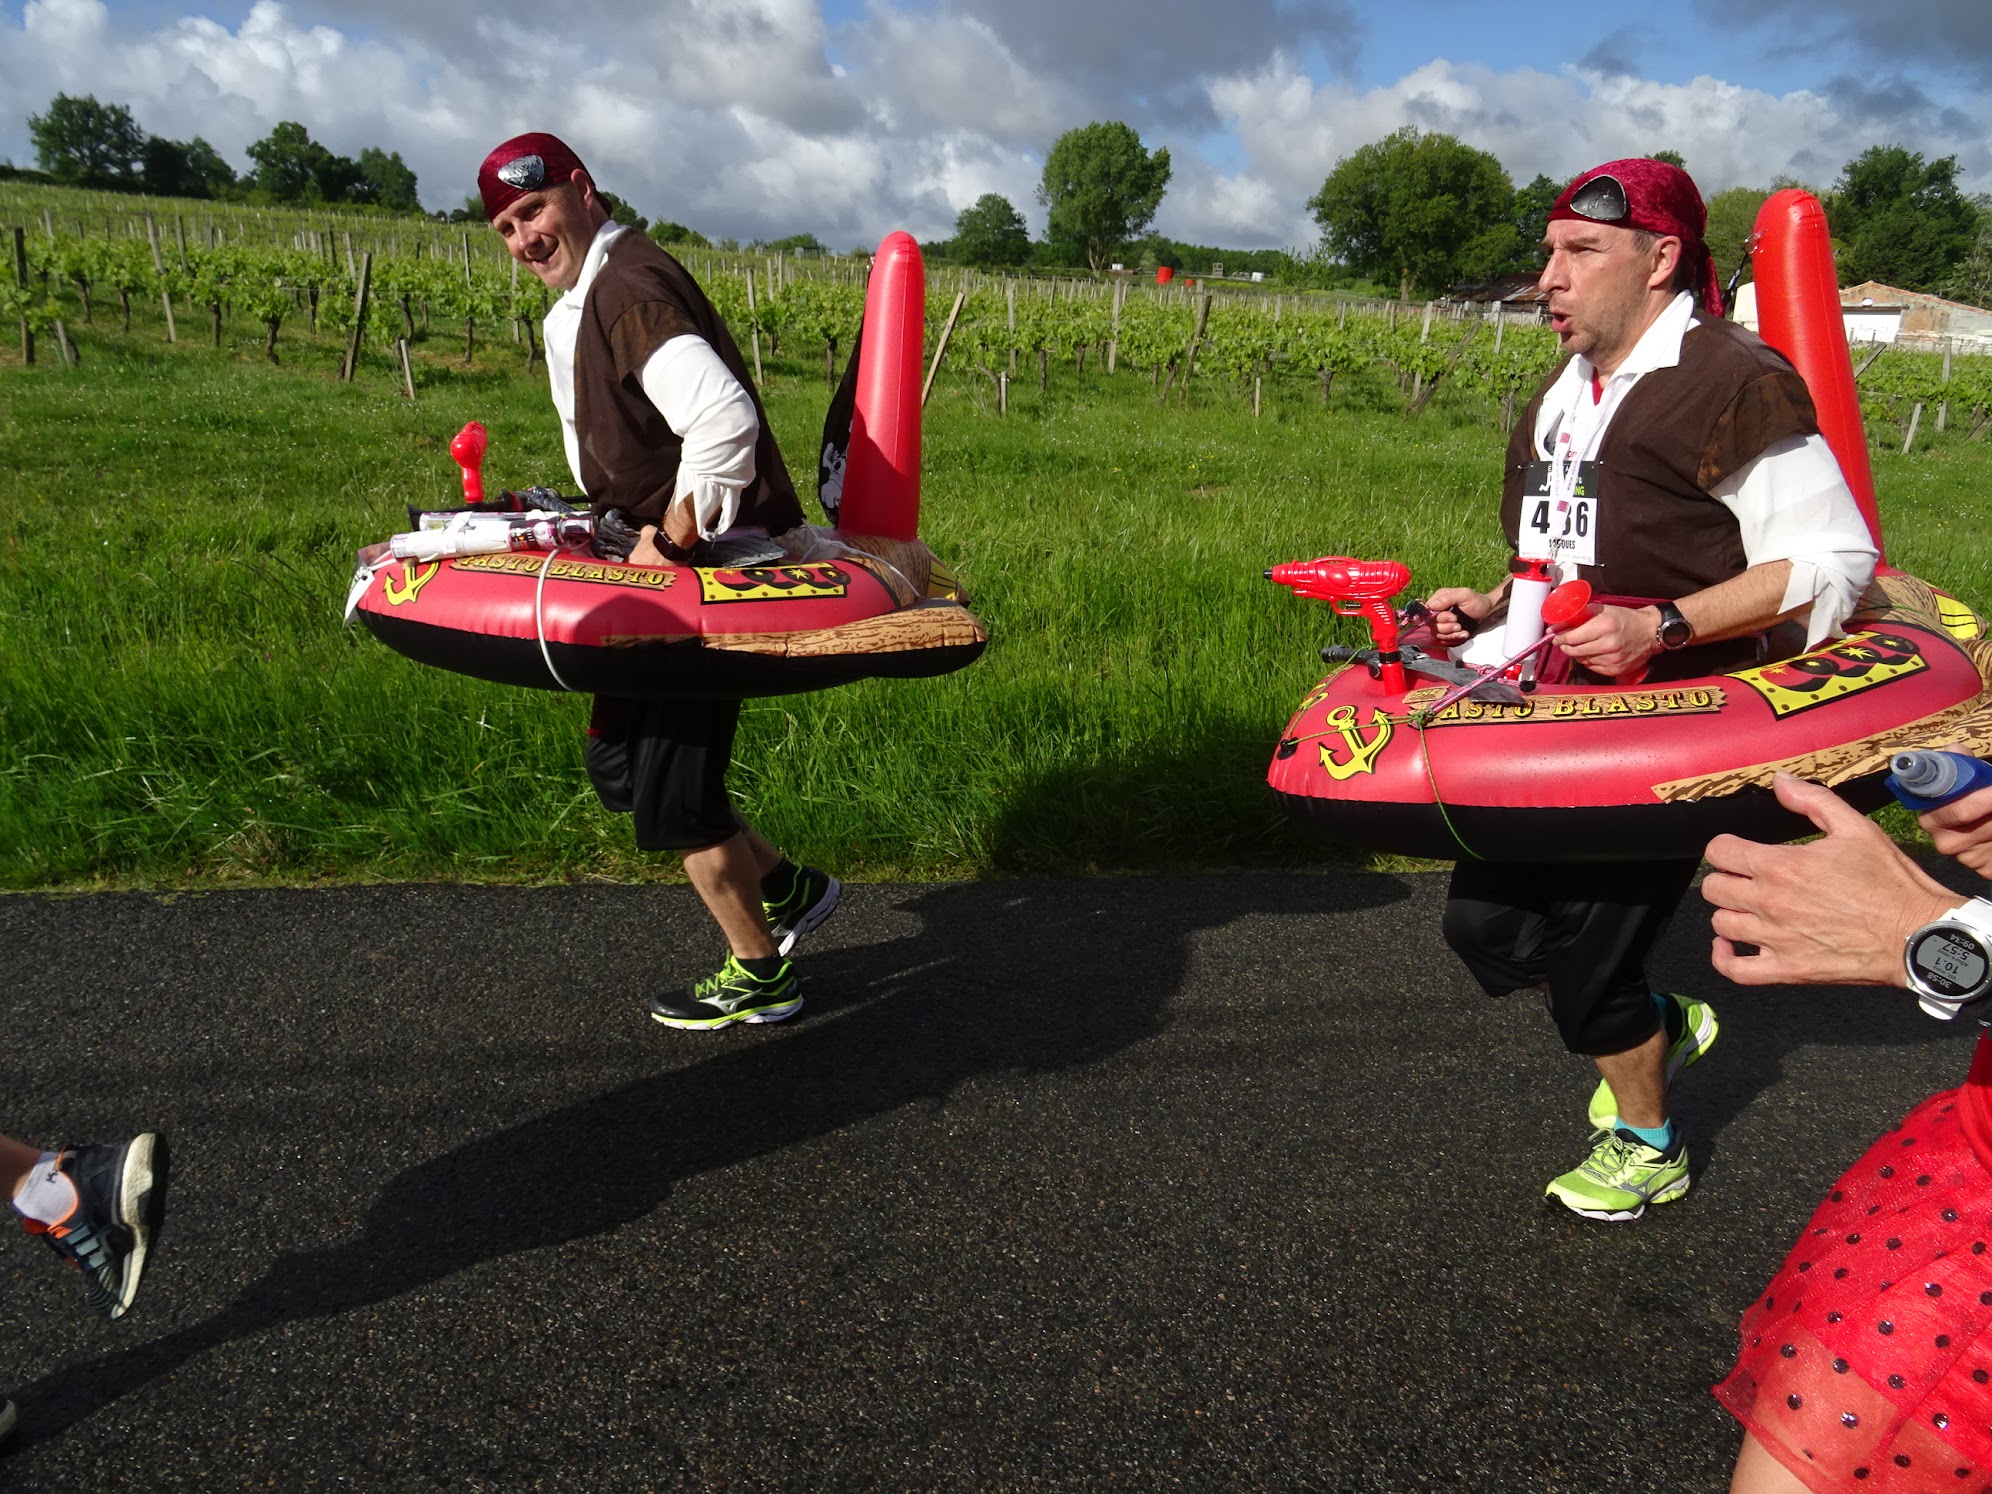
point(1204, 1183)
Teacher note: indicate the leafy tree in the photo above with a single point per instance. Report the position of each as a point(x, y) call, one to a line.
point(1531, 216)
point(82, 141)
point(1972, 279)
point(1102, 188)
point(665, 232)
point(289, 163)
point(191, 168)
point(1423, 210)
point(1732, 217)
point(1900, 219)
point(619, 210)
point(795, 243)
point(390, 182)
point(990, 231)
point(1671, 157)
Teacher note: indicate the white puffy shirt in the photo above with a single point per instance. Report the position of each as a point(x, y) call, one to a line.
point(1791, 502)
point(697, 395)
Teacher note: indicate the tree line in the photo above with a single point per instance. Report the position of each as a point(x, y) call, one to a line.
point(1417, 213)
point(80, 142)
point(1421, 213)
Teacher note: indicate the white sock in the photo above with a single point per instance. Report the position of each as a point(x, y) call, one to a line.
point(46, 1195)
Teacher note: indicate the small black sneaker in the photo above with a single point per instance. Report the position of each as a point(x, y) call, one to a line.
point(120, 1204)
point(812, 899)
point(732, 994)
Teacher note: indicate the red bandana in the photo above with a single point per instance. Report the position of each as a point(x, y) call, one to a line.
point(525, 163)
point(1652, 197)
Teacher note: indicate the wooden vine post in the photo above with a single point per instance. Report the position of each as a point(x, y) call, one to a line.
point(159, 269)
point(758, 379)
point(359, 316)
point(941, 347)
point(21, 279)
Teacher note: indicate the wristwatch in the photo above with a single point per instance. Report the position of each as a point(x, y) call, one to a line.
point(1674, 631)
point(1949, 962)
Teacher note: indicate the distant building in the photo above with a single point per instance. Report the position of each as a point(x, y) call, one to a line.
point(1877, 313)
point(1508, 292)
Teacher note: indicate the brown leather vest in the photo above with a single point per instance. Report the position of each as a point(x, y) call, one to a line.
point(1678, 433)
point(640, 299)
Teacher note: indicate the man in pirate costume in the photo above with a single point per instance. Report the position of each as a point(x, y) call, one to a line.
point(666, 435)
point(1673, 460)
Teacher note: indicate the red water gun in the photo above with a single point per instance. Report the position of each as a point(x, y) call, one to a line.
point(1356, 588)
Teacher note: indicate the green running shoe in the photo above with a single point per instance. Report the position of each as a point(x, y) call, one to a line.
point(812, 899)
point(1698, 1030)
point(732, 994)
point(1621, 1177)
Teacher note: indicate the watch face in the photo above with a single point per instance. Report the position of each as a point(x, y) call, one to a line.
point(1675, 630)
point(1951, 961)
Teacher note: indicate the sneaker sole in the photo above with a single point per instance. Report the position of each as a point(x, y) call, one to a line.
point(142, 1207)
point(776, 1013)
point(1618, 1216)
point(811, 920)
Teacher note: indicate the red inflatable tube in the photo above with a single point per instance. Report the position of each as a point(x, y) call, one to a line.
point(1632, 772)
point(1798, 313)
point(882, 471)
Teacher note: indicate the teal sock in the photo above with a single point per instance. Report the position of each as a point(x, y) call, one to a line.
point(1660, 1137)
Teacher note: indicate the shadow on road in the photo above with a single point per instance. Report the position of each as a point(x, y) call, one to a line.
point(998, 978)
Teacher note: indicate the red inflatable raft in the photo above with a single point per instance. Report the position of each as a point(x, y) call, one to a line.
point(1612, 773)
point(866, 599)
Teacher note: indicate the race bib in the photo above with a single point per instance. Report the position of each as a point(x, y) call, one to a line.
point(1556, 526)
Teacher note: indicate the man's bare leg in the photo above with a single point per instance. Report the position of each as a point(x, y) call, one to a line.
point(1757, 1472)
point(728, 880)
point(1638, 1077)
point(766, 857)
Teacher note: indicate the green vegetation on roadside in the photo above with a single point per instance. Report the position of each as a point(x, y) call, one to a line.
point(180, 706)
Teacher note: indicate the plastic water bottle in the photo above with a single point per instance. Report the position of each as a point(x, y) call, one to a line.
point(1929, 780)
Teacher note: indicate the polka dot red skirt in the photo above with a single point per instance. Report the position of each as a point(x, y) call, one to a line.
point(1867, 1363)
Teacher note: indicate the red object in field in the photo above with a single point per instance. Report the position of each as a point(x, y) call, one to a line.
point(882, 469)
point(1164, 274)
point(1568, 605)
point(1355, 588)
point(468, 450)
point(1798, 313)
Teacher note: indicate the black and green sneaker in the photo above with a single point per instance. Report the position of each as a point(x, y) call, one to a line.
point(732, 993)
point(812, 897)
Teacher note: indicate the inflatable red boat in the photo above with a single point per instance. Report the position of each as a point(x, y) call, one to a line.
point(1604, 773)
point(865, 599)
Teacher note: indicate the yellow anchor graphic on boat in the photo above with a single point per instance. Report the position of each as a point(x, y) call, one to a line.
point(1363, 752)
point(413, 579)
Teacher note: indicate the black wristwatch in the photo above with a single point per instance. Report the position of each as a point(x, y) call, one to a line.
point(1675, 631)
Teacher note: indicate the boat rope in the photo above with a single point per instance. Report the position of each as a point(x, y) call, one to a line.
point(1417, 722)
point(539, 613)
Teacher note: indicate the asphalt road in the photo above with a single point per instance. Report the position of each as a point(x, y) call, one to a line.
point(1202, 1183)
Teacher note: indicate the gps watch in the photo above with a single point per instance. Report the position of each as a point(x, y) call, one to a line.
point(1949, 962)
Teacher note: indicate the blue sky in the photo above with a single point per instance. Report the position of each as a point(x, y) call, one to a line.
point(845, 118)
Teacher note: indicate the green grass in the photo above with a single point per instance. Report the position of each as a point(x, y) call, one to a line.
point(179, 704)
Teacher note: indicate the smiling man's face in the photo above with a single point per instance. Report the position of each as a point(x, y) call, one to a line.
point(549, 231)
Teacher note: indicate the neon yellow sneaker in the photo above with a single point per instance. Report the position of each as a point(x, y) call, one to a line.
point(1698, 1030)
point(1621, 1177)
point(732, 994)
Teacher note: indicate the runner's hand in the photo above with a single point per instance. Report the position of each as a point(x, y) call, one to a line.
point(1835, 911)
point(1617, 641)
point(1963, 828)
point(1450, 599)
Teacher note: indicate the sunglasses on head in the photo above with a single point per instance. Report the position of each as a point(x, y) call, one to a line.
point(1602, 199)
point(528, 174)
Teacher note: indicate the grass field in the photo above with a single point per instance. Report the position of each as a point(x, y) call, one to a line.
point(180, 706)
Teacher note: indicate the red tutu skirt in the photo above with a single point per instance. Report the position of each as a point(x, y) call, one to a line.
point(1867, 1363)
